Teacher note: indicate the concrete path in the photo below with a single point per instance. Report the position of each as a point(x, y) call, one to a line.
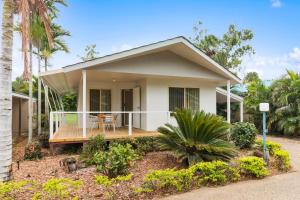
point(279, 187)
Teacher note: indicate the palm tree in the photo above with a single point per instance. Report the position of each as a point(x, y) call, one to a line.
point(285, 95)
point(28, 10)
point(25, 8)
point(46, 52)
point(198, 137)
point(39, 37)
point(5, 88)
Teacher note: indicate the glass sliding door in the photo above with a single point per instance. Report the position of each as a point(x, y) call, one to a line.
point(100, 100)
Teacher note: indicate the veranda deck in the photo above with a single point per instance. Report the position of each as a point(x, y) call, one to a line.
point(70, 134)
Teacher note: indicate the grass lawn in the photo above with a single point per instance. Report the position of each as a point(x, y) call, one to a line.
point(71, 118)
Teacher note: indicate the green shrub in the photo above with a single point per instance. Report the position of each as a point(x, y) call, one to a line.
point(142, 145)
point(271, 146)
point(253, 166)
point(198, 137)
point(216, 172)
point(95, 144)
point(33, 151)
point(107, 182)
point(168, 179)
point(115, 161)
point(9, 190)
point(282, 160)
point(243, 134)
point(58, 188)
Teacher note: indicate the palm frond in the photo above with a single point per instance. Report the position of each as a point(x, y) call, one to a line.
point(198, 136)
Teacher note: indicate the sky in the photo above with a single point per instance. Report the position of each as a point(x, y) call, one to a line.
point(116, 25)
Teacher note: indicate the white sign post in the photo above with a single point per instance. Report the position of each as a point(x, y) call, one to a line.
point(264, 107)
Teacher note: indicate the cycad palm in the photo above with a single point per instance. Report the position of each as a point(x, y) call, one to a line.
point(198, 137)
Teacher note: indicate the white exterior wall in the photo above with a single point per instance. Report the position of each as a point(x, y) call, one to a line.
point(158, 72)
point(158, 97)
point(116, 99)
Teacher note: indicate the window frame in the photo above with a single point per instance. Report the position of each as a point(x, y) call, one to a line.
point(185, 96)
point(100, 99)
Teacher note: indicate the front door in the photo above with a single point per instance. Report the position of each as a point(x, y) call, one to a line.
point(127, 104)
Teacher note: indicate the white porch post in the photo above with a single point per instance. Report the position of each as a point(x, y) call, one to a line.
point(241, 111)
point(51, 125)
point(228, 101)
point(130, 123)
point(84, 103)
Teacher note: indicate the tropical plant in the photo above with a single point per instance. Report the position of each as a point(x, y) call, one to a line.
point(198, 137)
point(228, 50)
point(286, 100)
point(257, 92)
point(243, 134)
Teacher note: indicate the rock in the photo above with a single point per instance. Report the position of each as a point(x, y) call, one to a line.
point(69, 164)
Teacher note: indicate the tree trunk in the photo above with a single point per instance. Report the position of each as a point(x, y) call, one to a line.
point(30, 110)
point(5, 88)
point(46, 94)
point(39, 95)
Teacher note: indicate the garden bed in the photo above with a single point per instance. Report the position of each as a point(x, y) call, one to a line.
point(49, 167)
point(140, 168)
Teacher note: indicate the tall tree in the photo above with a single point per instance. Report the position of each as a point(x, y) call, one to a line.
point(5, 88)
point(90, 53)
point(46, 52)
point(227, 50)
point(250, 77)
point(40, 41)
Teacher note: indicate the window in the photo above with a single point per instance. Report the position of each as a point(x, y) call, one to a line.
point(192, 98)
point(94, 100)
point(183, 98)
point(100, 100)
point(176, 98)
point(105, 103)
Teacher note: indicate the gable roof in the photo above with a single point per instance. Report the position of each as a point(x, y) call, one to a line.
point(179, 45)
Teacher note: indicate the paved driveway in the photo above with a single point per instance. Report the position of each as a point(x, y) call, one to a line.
point(279, 187)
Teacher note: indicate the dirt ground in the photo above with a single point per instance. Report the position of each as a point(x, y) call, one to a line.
point(49, 167)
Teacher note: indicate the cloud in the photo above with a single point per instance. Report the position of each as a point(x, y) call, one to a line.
point(272, 67)
point(276, 3)
point(295, 54)
point(122, 47)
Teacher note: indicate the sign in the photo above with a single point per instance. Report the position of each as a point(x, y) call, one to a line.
point(264, 107)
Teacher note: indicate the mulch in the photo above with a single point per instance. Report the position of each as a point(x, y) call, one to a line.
point(49, 167)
